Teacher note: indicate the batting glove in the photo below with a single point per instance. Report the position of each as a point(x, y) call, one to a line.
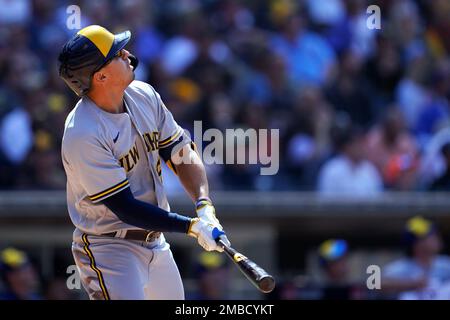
point(206, 234)
point(206, 211)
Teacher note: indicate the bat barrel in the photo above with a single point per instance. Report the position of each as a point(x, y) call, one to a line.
point(257, 275)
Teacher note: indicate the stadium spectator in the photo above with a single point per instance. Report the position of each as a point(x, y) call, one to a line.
point(308, 141)
point(422, 274)
point(349, 173)
point(19, 12)
point(433, 163)
point(383, 71)
point(18, 275)
point(436, 112)
point(349, 91)
point(442, 183)
point(411, 93)
point(333, 256)
point(393, 150)
point(14, 147)
point(438, 30)
point(335, 283)
point(309, 57)
point(213, 276)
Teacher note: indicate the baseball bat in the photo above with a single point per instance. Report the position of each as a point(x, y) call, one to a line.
point(257, 275)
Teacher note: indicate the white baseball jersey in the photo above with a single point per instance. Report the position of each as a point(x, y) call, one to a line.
point(104, 153)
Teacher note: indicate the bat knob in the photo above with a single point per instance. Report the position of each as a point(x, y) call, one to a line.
point(267, 284)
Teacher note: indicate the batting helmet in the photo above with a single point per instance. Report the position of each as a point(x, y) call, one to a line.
point(87, 52)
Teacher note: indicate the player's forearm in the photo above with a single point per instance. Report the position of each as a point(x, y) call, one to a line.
point(192, 175)
point(144, 215)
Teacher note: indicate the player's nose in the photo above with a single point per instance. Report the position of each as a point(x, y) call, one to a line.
point(125, 54)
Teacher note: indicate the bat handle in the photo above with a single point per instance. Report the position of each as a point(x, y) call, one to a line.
point(221, 243)
point(226, 248)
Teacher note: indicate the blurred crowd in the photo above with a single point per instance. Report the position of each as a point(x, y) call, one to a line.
point(359, 110)
point(422, 272)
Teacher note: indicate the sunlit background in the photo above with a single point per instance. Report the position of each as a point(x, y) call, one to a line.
point(364, 122)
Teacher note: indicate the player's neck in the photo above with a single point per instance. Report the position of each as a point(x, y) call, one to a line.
point(110, 102)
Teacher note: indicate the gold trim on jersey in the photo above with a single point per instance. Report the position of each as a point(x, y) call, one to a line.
point(109, 191)
point(165, 142)
point(171, 166)
point(94, 267)
point(194, 147)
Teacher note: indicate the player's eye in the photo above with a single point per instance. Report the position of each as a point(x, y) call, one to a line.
point(119, 54)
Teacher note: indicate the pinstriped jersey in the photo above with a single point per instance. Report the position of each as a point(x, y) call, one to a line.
point(104, 153)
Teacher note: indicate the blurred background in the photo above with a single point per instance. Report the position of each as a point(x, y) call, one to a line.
point(364, 122)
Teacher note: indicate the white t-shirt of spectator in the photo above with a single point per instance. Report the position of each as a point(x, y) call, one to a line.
point(16, 146)
point(341, 176)
point(408, 269)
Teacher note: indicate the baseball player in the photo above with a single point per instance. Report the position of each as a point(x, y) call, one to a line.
point(113, 143)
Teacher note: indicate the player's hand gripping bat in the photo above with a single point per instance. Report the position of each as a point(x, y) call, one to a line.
point(257, 275)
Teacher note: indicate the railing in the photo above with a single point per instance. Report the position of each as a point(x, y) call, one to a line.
point(249, 204)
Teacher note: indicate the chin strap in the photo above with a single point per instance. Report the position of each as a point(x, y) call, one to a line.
point(134, 61)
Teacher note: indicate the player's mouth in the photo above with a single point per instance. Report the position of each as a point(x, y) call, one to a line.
point(129, 64)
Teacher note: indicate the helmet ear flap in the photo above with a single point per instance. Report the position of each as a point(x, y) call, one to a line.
point(134, 61)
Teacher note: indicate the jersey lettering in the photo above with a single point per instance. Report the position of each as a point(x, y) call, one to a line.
point(151, 140)
point(129, 160)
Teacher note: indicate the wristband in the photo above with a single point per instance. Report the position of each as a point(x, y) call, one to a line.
point(203, 201)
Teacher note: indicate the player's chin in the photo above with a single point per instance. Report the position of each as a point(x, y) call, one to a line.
point(131, 77)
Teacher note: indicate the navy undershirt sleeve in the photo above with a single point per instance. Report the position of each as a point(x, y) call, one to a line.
point(144, 215)
point(166, 152)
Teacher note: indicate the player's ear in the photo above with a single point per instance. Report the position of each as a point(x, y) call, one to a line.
point(99, 77)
